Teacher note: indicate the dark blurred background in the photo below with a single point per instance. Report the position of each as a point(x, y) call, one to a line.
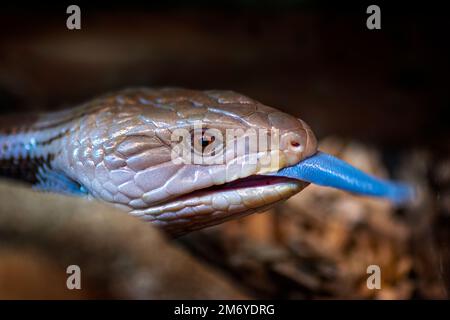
point(388, 88)
point(313, 59)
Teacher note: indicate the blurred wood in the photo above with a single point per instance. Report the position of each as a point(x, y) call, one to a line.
point(119, 256)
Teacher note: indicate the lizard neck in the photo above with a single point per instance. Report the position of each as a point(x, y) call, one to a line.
point(31, 152)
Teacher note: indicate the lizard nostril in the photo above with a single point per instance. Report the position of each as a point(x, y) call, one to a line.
point(295, 143)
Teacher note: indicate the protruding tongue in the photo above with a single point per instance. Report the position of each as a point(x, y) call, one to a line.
point(325, 170)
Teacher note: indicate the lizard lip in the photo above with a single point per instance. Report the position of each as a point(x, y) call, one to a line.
point(252, 181)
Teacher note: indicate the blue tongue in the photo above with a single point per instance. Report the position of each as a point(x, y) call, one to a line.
point(325, 170)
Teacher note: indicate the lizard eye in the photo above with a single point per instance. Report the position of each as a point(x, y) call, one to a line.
point(201, 140)
point(206, 141)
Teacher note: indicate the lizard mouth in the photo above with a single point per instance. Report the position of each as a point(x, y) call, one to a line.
point(253, 181)
point(219, 203)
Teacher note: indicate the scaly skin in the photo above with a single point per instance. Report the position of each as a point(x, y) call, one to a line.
point(117, 148)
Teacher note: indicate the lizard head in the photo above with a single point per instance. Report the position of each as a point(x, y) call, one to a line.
point(186, 159)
